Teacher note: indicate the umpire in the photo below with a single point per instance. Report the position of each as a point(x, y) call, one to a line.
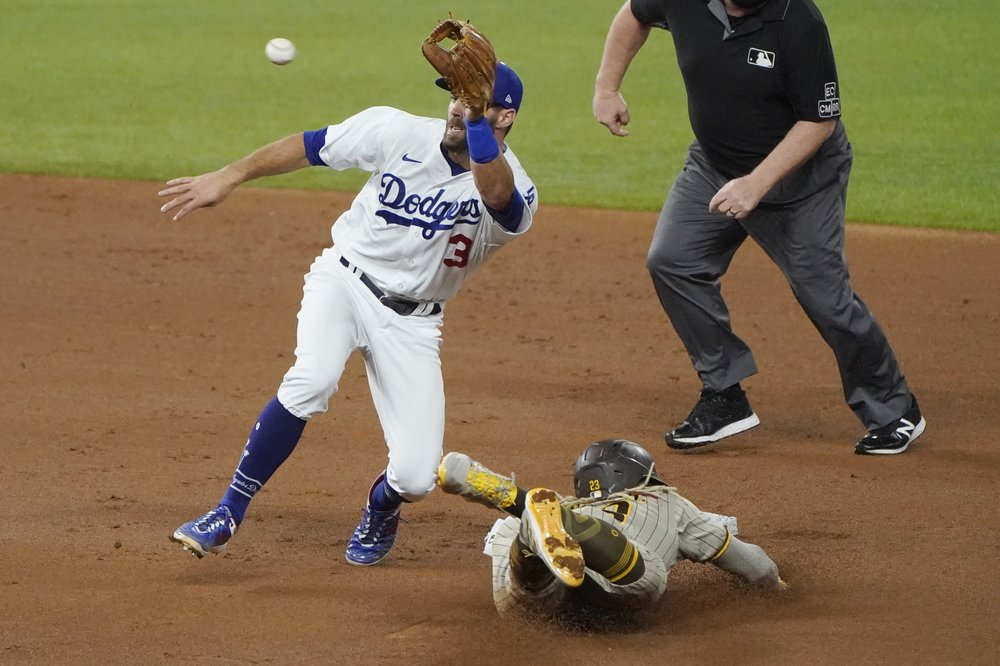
point(770, 160)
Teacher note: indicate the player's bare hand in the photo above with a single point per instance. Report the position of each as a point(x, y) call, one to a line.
point(737, 198)
point(190, 193)
point(611, 111)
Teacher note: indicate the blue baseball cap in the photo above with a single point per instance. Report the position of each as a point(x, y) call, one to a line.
point(507, 88)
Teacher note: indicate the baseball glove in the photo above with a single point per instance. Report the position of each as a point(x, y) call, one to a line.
point(469, 66)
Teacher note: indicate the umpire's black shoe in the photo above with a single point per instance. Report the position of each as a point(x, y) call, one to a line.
point(717, 415)
point(895, 437)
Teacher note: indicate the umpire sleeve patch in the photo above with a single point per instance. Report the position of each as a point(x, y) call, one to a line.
point(829, 106)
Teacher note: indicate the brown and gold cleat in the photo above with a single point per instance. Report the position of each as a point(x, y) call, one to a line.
point(548, 538)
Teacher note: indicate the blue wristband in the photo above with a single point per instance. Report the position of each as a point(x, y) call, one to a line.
point(483, 145)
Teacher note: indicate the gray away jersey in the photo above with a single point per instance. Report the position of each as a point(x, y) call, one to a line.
point(664, 527)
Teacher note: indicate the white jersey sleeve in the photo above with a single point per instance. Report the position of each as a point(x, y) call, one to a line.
point(357, 142)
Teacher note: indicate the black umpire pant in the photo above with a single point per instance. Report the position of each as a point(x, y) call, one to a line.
point(800, 225)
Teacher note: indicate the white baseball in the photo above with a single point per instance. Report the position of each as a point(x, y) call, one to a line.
point(280, 51)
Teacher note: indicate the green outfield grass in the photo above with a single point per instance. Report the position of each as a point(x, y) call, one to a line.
point(150, 90)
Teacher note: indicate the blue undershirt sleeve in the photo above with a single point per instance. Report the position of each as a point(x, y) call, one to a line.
point(314, 140)
point(509, 219)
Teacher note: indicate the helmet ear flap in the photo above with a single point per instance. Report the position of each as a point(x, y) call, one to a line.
point(595, 480)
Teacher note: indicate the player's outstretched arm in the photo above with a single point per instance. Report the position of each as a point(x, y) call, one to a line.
point(211, 189)
point(750, 563)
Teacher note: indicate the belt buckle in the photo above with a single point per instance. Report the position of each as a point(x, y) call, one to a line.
point(400, 308)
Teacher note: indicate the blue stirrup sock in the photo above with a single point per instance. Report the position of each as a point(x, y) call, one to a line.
point(383, 497)
point(271, 441)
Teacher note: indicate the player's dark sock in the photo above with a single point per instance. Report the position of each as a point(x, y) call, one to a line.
point(384, 497)
point(271, 441)
point(517, 508)
point(527, 568)
point(605, 549)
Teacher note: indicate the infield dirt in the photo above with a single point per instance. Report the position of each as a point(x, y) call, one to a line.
point(136, 352)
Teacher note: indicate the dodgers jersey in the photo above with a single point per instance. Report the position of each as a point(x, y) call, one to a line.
point(418, 227)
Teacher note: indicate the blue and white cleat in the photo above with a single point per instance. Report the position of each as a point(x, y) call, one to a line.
point(208, 534)
point(373, 538)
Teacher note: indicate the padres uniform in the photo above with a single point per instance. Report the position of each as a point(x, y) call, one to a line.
point(414, 233)
point(664, 527)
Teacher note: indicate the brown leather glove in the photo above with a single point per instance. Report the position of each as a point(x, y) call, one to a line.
point(469, 66)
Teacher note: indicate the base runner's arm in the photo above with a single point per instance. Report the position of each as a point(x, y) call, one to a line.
point(210, 189)
point(749, 562)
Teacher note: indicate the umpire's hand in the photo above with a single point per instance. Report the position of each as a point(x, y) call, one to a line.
point(611, 110)
point(736, 198)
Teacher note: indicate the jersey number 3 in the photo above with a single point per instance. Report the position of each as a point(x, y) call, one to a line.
point(460, 256)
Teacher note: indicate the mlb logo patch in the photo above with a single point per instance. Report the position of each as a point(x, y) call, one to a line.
point(761, 58)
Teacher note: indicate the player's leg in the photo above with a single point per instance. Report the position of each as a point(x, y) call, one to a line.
point(691, 250)
point(526, 589)
point(523, 580)
point(458, 474)
point(404, 375)
point(325, 338)
point(528, 569)
point(606, 549)
point(271, 441)
point(807, 242)
point(567, 542)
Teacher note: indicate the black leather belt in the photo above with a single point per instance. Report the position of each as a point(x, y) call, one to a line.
point(401, 306)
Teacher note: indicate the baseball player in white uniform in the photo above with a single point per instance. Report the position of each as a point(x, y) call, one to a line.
point(443, 196)
point(587, 559)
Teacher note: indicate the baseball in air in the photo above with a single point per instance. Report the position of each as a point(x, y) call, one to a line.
point(280, 51)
